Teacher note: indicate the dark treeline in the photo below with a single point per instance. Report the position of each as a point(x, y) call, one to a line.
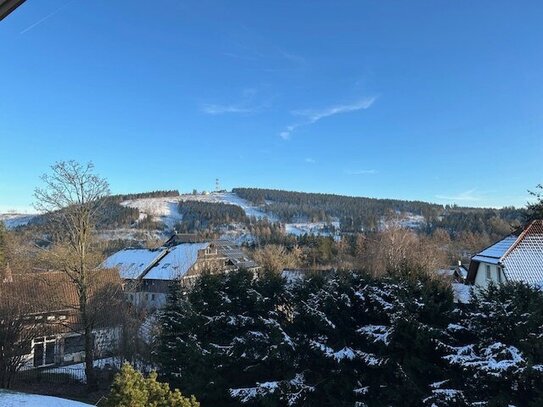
point(199, 215)
point(151, 194)
point(352, 339)
point(364, 214)
point(355, 213)
point(114, 215)
point(495, 223)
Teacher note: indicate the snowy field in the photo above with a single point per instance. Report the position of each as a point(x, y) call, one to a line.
point(312, 228)
point(165, 209)
point(159, 209)
point(13, 220)
point(14, 399)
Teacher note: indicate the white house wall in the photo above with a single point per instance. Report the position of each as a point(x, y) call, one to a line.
point(480, 279)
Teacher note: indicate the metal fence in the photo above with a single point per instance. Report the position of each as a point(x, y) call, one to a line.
point(58, 375)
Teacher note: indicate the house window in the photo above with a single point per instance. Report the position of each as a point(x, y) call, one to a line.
point(74, 344)
point(488, 275)
point(499, 274)
point(152, 297)
point(44, 351)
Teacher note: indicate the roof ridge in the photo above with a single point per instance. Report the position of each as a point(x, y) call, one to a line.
point(520, 238)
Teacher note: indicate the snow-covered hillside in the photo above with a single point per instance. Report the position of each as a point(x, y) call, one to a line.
point(313, 228)
point(13, 220)
point(164, 209)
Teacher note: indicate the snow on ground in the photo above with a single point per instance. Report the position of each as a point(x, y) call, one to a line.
point(13, 220)
point(229, 198)
point(77, 371)
point(140, 235)
point(462, 293)
point(165, 209)
point(312, 228)
point(160, 209)
point(403, 220)
point(15, 399)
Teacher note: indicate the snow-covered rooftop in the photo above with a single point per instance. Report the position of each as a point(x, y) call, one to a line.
point(132, 262)
point(524, 261)
point(521, 257)
point(494, 253)
point(176, 263)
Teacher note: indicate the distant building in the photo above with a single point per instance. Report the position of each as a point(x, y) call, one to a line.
point(148, 274)
point(456, 274)
point(48, 303)
point(517, 257)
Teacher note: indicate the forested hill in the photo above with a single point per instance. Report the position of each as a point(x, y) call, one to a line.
point(360, 213)
point(356, 212)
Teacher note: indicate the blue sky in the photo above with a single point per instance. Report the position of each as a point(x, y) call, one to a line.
point(431, 100)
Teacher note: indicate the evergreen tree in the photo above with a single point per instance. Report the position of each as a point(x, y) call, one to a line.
point(131, 389)
point(371, 341)
point(225, 336)
point(498, 346)
point(535, 209)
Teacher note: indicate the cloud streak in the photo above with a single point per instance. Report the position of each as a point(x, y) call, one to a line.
point(47, 17)
point(360, 172)
point(215, 109)
point(245, 106)
point(311, 116)
point(465, 196)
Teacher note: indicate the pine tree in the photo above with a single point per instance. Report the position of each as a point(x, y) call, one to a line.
point(498, 346)
point(131, 389)
point(535, 209)
point(225, 336)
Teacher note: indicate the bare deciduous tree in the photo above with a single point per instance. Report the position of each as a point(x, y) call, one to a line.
point(16, 331)
point(72, 196)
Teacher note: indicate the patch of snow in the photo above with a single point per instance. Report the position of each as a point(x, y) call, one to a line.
point(176, 263)
point(15, 399)
point(379, 333)
point(163, 209)
point(14, 220)
point(313, 228)
point(77, 371)
point(461, 293)
point(132, 262)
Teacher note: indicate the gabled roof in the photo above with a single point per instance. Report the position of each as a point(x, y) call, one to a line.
point(494, 253)
point(133, 263)
point(176, 263)
point(524, 260)
point(520, 256)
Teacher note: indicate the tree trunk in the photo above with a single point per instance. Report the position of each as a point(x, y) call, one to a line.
point(89, 360)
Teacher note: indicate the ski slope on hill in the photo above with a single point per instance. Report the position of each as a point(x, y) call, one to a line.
point(164, 209)
point(13, 220)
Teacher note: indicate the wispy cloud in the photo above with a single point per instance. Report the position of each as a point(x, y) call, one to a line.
point(312, 116)
point(222, 109)
point(470, 195)
point(310, 161)
point(360, 172)
point(47, 17)
point(248, 103)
